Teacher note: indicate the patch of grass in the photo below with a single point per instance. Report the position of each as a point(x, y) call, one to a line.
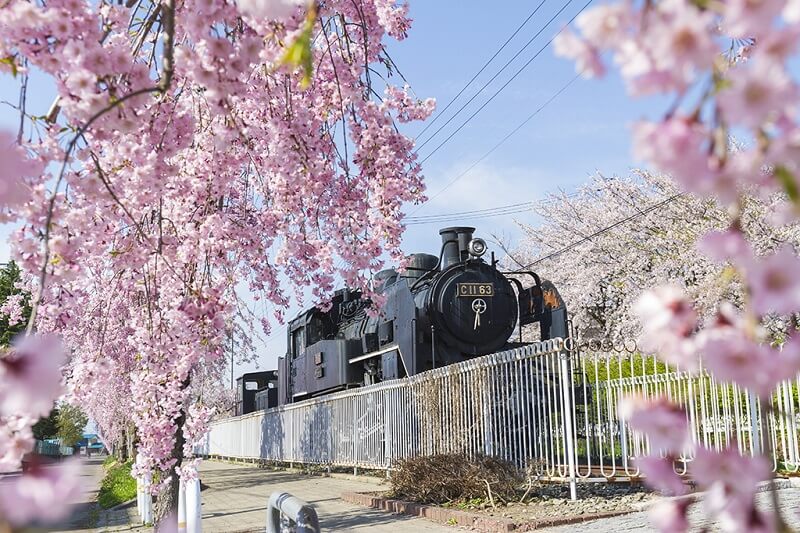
point(118, 486)
point(109, 462)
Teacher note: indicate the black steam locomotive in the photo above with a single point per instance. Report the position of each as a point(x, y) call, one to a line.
point(438, 311)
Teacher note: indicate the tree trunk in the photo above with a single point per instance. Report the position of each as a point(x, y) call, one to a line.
point(167, 500)
point(120, 450)
point(130, 434)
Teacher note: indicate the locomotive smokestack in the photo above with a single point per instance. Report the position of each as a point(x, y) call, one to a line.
point(456, 244)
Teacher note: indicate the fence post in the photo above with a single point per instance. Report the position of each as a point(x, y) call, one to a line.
point(568, 409)
point(755, 435)
point(295, 509)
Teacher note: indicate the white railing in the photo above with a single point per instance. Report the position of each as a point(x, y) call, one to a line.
point(719, 414)
point(540, 407)
point(507, 404)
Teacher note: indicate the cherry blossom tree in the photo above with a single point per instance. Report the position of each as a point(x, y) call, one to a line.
point(644, 232)
point(724, 64)
point(193, 145)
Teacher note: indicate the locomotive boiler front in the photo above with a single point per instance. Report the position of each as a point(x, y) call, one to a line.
point(470, 304)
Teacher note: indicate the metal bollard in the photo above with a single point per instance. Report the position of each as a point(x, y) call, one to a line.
point(295, 509)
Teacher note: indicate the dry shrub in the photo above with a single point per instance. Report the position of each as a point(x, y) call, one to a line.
point(454, 477)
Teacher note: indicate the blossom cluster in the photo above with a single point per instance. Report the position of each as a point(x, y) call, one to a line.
point(30, 383)
point(185, 154)
point(726, 66)
point(730, 480)
point(601, 278)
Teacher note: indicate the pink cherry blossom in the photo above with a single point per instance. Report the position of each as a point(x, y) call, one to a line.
point(728, 245)
point(678, 146)
point(605, 25)
point(663, 422)
point(778, 44)
point(12, 308)
point(660, 475)
point(669, 516)
point(760, 91)
point(733, 77)
point(269, 9)
point(683, 44)
point(731, 357)
point(30, 376)
point(774, 287)
point(43, 493)
point(152, 225)
point(13, 190)
point(730, 479)
point(16, 439)
point(587, 58)
point(668, 324)
point(745, 18)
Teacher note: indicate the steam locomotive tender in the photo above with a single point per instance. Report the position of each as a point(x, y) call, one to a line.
point(438, 311)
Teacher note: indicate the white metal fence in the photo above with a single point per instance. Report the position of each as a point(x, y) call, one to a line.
point(540, 406)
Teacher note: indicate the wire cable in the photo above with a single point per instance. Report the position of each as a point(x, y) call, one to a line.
point(503, 140)
point(497, 74)
point(464, 88)
point(473, 217)
point(605, 229)
point(481, 108)
point(467, 213)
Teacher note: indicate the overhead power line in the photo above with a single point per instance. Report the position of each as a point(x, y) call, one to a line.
point(605, 229)
point(469, 213)
point(504, 139)
point(517, 73)
point(476, 216)
point(480, 71)
point(496, 75)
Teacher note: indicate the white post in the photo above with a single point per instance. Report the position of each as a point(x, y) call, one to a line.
point(568, 407)
point(181, 507)
point(139, 491)
point(193, 510)
point(755, 436)
point(139, 496)
point(147, 501)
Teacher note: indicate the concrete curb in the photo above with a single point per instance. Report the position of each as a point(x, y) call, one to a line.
point(334, 475)
point(454, 517)
point(118, 506)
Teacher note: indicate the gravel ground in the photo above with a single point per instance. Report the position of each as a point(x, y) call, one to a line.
point(552, 501)
point(698, 520)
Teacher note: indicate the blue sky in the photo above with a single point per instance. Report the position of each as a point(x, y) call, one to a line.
point(581, 132)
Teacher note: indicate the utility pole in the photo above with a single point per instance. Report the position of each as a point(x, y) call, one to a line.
point(231, 335)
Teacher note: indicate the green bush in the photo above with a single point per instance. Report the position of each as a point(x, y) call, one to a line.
point(118, 486)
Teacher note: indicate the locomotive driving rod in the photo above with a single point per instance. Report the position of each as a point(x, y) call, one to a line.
point(295, 509)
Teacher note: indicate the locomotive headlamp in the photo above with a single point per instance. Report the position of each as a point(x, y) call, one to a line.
point(477, 247)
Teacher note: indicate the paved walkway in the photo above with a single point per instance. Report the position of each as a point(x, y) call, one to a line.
point(236, 500)
point(87, 515)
